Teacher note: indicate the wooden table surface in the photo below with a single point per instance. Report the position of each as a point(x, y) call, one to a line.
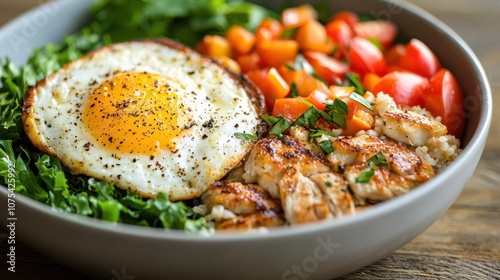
point(463, 244)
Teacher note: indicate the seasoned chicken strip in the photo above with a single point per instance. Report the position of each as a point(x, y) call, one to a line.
point(270, 157)
point(253, 220)
point(239, 198)
point(335, 190)
point(405, 170)
point(410, 127)
point(301, 199)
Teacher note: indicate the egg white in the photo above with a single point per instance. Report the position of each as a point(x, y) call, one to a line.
point(204, 152)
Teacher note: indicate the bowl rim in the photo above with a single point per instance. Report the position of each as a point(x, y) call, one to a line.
point(474, 146)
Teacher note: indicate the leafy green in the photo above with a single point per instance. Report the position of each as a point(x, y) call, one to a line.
point(42, 177)
point(186, 21)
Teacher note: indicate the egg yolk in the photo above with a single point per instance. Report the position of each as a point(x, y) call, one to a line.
point(134, 112)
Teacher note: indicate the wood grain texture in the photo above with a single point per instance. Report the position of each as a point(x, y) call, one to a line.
point(463, 244)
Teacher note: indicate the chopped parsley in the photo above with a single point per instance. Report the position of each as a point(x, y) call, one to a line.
point(294, 90)
point(367, 174)
point(280, 127)
point(326, 146)
point(352, 79)
point(245, 136)
point(358, 98)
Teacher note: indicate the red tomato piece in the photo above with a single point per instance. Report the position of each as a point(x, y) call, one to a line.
point(318, 98)
point(393, 55)
point(382, 30)
point(326, 66)
point(404, 87)
point(276, 52)
point(339, 31)
point(444, 98)
point(268, 29)
point(297, 16)
point(420, 59)
point(248, 62)
point(349, 17)
point(365, 57)
point(289, 108)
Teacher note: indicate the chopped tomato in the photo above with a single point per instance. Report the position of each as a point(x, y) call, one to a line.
point(326, 66)
point(444, 98)
point(312, 36)
point(248, 62)
point(270, 83)
point(276, 52)
point(268, 29)
point(302, 81)
point(318, 98)
point(360, 120)
point(404, 87)
point(341, 92)
point(240, 39)
point(365, 57)
point(339, 31)
point(349, 17)
point(290, 108)
point(419, 59)
point(259, 78)
point(383, 31)
point(393, 55)
point(214, 46)
point(370, 80)
point(229, 64)
point(297, 16)
point(353, 106)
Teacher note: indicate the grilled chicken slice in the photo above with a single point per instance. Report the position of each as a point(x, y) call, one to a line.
point(335, 190)
point(301, 199)
point(405, 170)
point(407, 126)
point(252, 220)
point(239, 198)
point(270, 157)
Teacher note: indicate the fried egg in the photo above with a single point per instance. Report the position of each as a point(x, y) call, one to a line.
point(149, 116)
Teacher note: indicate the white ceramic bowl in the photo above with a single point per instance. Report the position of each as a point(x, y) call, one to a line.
point(317, 251)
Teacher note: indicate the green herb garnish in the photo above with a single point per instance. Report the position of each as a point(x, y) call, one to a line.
point(367, 174)
point(294, 90)
point(280, 126)
point(352, 79)
point(358, 98)
point(326, 146)
point(336, 111)
point(245, 136)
